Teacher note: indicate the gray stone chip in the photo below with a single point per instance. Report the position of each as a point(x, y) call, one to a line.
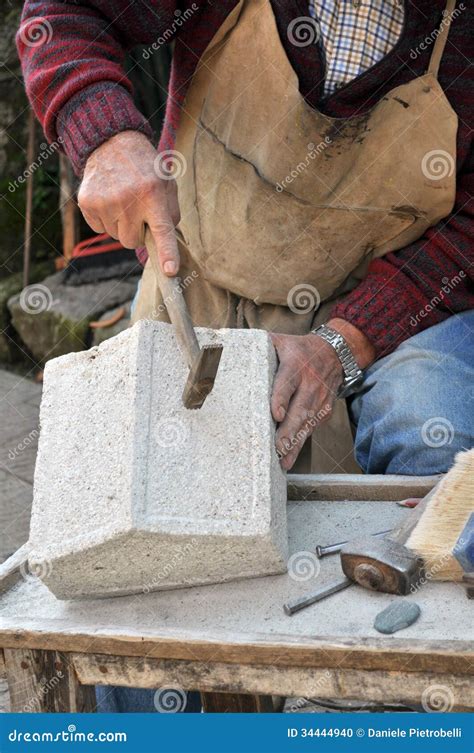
point(399, 615)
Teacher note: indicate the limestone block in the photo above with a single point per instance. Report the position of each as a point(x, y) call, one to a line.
point(133, 492)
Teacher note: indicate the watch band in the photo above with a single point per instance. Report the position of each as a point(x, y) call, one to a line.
point(353, 375)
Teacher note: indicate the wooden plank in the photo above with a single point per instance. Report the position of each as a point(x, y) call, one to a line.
point(45, 681)
point(3, 671)
point(357, 488)
point(236, 703)
point(266, 680)
point(456, 657)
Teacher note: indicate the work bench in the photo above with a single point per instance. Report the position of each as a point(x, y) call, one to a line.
point(234, 643)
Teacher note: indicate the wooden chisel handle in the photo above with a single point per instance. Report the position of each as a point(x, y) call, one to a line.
point(176, 307)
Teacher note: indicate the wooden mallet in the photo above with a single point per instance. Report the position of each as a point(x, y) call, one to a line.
point(202, 362)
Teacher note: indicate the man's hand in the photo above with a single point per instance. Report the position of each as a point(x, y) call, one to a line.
point(121, 192)
point(307, 382)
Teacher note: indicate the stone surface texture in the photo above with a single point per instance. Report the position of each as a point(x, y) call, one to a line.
point(55, 319)
point(133, 492)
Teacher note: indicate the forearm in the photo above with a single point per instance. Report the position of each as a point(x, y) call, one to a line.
point(72, 59)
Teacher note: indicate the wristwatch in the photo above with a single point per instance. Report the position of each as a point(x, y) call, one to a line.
point(353, 376)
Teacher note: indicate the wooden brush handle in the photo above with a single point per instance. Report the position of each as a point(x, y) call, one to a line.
point(176, 307)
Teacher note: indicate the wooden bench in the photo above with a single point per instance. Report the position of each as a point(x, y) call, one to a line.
point(233, 642)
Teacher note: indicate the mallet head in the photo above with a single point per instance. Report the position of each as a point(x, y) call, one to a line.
point(381, 565)
point(202, 375)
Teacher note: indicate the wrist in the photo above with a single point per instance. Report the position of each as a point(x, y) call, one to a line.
point(361, 347)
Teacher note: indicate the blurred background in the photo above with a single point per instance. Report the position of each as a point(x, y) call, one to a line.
point(52, 300)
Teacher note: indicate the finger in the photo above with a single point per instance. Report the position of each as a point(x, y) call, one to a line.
point(111, 228)
point(94, 222)
point(163, 232)
point(285, 384)
point(298, 423)
point(130, 235)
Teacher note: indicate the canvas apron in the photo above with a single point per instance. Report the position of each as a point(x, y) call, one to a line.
point(283, 207)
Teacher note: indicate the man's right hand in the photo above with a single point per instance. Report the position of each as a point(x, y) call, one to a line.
point(121, 192)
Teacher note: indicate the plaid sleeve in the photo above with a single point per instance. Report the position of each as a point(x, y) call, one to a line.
point(72, 55)
point(412, 289)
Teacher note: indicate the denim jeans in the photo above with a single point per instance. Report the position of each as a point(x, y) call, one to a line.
point(415, 408)
point(413, 413)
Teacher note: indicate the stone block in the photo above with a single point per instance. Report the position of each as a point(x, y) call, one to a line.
point(133, 492)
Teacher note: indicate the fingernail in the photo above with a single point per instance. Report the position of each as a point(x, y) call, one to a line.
point(281, 413)
point(170, 268)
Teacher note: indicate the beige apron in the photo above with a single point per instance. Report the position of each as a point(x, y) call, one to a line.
point(283, 207)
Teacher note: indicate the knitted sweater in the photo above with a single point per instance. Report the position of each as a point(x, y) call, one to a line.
point(77, 86)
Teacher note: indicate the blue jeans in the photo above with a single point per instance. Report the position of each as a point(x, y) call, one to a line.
point(113, 700)
point(413, 413)
point(415, 409)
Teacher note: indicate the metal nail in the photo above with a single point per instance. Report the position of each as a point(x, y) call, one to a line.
point(322, 593)
point(323, 551)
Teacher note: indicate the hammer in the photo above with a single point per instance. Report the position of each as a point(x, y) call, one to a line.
point(202, 362)
point(386, 564)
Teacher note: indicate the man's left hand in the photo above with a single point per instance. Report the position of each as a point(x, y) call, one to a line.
point(306, 384)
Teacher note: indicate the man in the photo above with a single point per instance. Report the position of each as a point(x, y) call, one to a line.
point(348, 57)
point(318, 147)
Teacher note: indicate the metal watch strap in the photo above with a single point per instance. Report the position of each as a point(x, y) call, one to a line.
point(352, 373)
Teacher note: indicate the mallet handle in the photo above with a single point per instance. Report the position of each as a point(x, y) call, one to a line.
point(175, 305)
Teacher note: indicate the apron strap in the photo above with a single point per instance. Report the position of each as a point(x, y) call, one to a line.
point(442, 38)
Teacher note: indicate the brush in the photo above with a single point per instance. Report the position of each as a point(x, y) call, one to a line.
point(444, 535)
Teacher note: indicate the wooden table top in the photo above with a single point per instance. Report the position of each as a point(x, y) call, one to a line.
point(244, 623)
